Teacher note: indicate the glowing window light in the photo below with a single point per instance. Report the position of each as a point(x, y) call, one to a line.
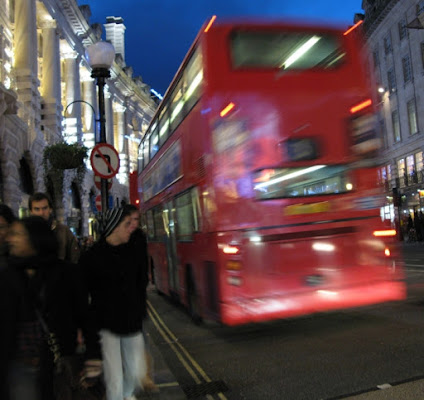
point(289, 176)
point(177, 110)
point(194, 84)
point(164, 128)
point(8, 52)
point(361, 106)
point(211, 21)
point(227, 109)
point(300, 51)
point(353, 27)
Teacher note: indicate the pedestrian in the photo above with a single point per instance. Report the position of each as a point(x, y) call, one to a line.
point(417, 227)
point(37, 292)
point(116, 284)
point(138, 241)
point(6, 219)
point(41, 205)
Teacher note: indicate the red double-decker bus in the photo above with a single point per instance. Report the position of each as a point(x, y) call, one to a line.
point(258, 178)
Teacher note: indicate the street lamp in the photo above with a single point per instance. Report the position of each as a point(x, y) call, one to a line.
point(100, 56)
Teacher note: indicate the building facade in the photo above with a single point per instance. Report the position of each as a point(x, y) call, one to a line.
point(47, 95)
point(395, 41)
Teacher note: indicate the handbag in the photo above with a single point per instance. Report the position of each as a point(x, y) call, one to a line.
point(68, 382)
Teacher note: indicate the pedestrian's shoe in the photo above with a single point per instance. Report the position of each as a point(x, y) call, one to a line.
point(148, 385)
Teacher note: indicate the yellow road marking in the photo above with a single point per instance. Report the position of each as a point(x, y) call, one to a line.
point(168, 384)
point(171, 339)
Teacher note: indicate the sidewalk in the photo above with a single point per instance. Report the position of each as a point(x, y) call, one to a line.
point(413, 390)
point(169, 389)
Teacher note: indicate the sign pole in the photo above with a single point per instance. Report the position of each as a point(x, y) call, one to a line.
point(101, 74)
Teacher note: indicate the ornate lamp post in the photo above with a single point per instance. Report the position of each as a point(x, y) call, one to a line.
point(100, 56)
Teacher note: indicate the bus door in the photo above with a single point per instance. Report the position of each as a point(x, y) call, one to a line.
point(171, 245)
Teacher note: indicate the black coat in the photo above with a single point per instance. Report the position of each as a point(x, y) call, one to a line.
point(116, 280)
point(54, 289)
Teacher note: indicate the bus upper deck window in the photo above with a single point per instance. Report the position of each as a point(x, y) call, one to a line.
point(286, 50)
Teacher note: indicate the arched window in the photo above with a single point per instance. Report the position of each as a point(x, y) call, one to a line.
point(27, 185)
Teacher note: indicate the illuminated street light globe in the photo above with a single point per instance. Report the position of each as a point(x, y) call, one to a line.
point(100, 55)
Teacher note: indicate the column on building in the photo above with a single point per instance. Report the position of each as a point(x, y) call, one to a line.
point(51, 82)
point(134, 143)
point(122, 147)
point(89, 113)
point(73, 122)
point(26, 60)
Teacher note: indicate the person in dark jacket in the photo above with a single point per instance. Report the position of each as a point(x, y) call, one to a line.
point(41, 205)
point(6, 219)
point(35, 281)
point(116, 284)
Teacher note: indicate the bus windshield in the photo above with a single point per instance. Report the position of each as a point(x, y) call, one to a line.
point(285, 50)
point(301, 181)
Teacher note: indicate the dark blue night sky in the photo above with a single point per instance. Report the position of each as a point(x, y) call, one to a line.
point(159, 32)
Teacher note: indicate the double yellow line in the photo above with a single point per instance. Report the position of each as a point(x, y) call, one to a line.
point(195, 371)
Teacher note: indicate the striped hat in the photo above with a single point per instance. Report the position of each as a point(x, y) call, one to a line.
point(109, 220)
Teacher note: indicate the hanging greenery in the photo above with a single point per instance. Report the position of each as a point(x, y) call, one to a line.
point(61, 156)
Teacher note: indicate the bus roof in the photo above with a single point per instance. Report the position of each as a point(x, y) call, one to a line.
point(231, 23)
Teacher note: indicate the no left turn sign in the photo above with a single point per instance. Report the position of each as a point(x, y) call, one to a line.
point(104, 160)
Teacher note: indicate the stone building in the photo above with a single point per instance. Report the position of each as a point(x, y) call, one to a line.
point(395, 40)
point(47, 95)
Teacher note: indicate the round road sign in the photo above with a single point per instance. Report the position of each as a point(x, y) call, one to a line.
point(104, 160)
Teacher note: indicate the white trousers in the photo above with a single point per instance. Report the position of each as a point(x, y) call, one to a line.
point(123, 363)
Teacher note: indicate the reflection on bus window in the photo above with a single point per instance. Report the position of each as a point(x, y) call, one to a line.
point(150, 225)
point(185, 217)
point(193, 78)
point(188, 210)
point(158, 223)
point(285, 50)
point(176, 106)
point(301, 182)
point(146, 152)
point(163, 126)
point(154, 143)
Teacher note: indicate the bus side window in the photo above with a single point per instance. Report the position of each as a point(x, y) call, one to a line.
point(185, 217)
point(150, 225)
point(196, 209)
point(163, 126)
point(146, 150)
point(158, 224)
point(154, 143)
point(193, 77)
point(177, 106)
